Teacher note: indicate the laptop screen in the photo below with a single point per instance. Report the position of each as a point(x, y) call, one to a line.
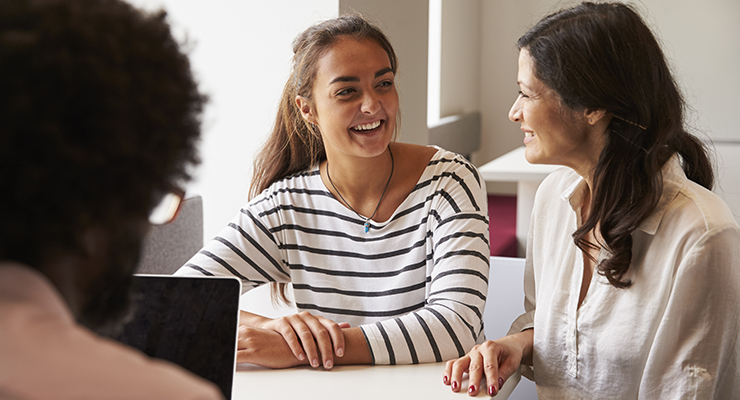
point(190, 321)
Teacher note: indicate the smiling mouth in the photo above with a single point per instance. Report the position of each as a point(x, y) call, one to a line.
point(365, 128)
point(528, 134)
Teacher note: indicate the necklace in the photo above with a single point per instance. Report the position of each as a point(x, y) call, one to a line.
point(367, 220)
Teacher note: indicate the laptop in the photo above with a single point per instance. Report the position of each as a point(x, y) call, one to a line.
point(190, 321)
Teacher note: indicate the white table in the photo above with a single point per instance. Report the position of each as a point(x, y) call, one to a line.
point(376, 382)
point(513, 167)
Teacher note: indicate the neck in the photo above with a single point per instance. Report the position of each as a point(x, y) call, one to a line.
point(361, 186)
point(357, 177)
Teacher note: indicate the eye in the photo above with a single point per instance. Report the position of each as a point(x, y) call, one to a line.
point(521, 94)
point(385, 84)
point(345, 92)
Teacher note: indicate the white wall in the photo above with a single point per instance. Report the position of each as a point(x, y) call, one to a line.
point(406, 23)
point(460, 57)
point(241, 53)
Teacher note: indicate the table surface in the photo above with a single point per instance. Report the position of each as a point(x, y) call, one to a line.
point(514, 167)
point(422, 381)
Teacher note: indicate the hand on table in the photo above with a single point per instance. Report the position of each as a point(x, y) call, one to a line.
point(497, 359)
point(306, 337)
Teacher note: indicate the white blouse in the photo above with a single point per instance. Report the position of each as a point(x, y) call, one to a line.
point(674, 334)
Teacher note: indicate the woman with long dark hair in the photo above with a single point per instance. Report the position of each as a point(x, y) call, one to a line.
point(385, 243)
point(632, 280)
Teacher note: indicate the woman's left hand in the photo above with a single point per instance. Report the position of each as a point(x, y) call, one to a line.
point(264, 347)
point(310, 337)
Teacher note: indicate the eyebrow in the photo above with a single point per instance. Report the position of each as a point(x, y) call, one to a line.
point(357, 79)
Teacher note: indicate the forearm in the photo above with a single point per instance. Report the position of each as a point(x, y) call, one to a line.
point(356, 349)
point(526, 341)
point(252, 320)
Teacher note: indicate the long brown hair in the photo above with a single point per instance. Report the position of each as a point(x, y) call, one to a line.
point(294, 144)
point(603, 56)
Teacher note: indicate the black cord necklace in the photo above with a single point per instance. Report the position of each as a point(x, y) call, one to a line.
point(367, 220)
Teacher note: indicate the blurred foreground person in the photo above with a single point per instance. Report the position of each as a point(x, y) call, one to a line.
point(100, 117)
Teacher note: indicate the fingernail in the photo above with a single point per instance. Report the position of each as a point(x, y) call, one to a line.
point(340, 352)
point(314, 363)
point(492, 390)
point(445, 379)
point(328, 364)
point(471, 389)
point(500, 383)
point(301, 357)
point(454, 386)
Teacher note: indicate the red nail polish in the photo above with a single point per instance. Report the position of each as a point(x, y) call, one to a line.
point(471, 389)
point(454, 385)
point(445, 379)
point(500, 383)
point(492, 390)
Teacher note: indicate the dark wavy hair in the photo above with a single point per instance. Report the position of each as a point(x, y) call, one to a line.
point(294, 144)
point(603, 56)
point(100, 115)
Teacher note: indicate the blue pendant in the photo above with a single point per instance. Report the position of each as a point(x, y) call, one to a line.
point(367, 227)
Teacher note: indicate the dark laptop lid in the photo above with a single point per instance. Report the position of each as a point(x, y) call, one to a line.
point(190, 321)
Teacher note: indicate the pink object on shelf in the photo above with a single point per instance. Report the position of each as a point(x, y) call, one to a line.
point(502, 225)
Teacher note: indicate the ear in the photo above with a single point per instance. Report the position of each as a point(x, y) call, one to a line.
point(594, 116)
point(306, 111)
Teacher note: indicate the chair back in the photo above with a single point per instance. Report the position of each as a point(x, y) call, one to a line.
point(168, 247)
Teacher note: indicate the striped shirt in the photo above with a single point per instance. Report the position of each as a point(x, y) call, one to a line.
point(416, 284)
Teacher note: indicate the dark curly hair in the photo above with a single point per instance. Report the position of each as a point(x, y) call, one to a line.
point(604, 56)
point(99, 114)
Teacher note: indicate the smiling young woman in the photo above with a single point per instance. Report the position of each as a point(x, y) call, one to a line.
point(385, 243)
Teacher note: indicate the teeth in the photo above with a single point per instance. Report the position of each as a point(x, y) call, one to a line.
point(529, 134)
point(367, 127)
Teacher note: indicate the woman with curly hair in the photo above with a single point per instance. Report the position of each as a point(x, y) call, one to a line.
point(100, 118)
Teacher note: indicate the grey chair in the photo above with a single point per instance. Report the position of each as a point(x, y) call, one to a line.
point(504, 303)
point(168, 247)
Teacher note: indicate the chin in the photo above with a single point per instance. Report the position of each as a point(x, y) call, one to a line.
point(532, 155)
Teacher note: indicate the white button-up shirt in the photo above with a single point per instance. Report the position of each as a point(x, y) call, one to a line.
point(674, 334)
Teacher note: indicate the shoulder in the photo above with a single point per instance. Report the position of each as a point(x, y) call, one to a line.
point(710, 210)
point(561, 183)
point(688, 206)
point(448, 162)
point(306, 182)
point(42, 339)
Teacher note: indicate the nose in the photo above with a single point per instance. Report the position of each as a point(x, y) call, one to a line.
point(515, 114)
point(370, 103)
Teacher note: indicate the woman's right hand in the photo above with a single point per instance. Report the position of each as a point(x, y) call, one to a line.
point(497, 359)
point(306, 334)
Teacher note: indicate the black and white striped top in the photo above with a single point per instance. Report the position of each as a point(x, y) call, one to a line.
point(415, 284)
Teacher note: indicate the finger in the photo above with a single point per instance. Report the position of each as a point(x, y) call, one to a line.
point(475, 372)
point(286, 331)
point(459, 367)
point(448, 372)
point(336, 334)
point(494, 381)
point(492, 356)
point(507, 368)
point(306, 337)
point(323, 339)
point(344, 325)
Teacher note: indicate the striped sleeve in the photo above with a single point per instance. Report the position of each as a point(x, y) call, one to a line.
point(450, 322)
point(245, 248)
